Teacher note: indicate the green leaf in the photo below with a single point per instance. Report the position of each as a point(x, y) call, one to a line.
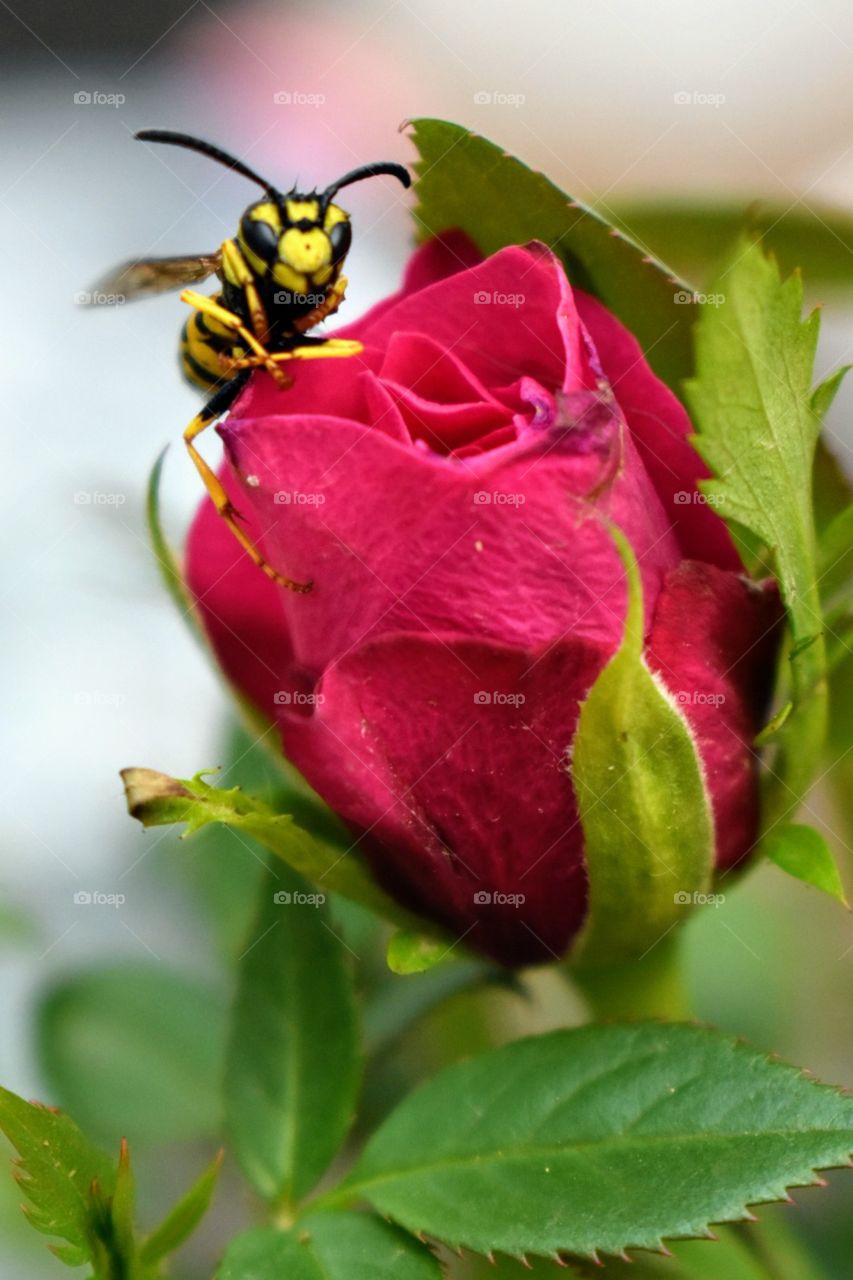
point(725, 1258)
point(644, 811)
point(695, 236)
point(123, 1206)
point(58, 1166)
point(410, 952)
point(824, 394)
point(293, 1065)
point(803, 853)
point(182, 1220)
point(751, 402)
point(467, 182)
point(602, 1138)
point(136, 1050)
point(329, 1246)
point(157, 800)
point(832, 497)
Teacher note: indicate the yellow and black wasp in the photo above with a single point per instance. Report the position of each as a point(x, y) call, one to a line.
point(280, 275)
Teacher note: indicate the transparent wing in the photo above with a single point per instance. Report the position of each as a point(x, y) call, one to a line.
point(149, 276)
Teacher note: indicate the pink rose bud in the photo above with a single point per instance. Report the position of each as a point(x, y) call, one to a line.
point(449, 492)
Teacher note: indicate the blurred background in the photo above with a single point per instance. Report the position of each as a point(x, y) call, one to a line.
point(117, 1011)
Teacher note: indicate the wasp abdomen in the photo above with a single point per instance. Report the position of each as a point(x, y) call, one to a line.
point(203, 341)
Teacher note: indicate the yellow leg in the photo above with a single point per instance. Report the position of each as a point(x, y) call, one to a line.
point(331, 348)
point(237, 269)
point(224, 507)
point(209, 306)
point(260, 357)
point(326, 308)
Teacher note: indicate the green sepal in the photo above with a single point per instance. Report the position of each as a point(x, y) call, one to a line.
point(643, 804)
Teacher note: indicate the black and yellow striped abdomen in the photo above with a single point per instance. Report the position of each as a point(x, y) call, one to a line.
point(203, 341)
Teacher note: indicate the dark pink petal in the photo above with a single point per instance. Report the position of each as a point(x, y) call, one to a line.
point(440, 400)
point(240, 608)
point(508, 316)
point(714, 642)
point(661, 429)
point(506, 545)
point(447, 758)
point(438, 258)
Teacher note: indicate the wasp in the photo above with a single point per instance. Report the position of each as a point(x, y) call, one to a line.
point(280, 276)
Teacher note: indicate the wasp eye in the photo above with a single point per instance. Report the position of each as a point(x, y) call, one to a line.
point(340, 238)
point(260, 237)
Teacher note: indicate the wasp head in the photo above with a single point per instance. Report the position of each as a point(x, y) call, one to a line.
point(297, 243)
point(294, 243)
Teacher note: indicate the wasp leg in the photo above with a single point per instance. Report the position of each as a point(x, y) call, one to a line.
point(215, 407)
point(210, 307)
point(327, 308)
point(236, 268)
point(328, 349)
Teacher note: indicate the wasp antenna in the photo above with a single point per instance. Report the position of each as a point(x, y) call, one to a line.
point(205, 149)
point(398, 171)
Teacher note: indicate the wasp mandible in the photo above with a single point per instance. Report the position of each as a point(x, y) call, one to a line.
point(280, 276)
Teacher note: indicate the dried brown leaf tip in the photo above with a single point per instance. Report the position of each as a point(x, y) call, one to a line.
point(151, 795)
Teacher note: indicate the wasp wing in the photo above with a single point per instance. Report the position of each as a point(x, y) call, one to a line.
point(149, 276)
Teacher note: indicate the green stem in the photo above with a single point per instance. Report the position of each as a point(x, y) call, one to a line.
point(651, 987)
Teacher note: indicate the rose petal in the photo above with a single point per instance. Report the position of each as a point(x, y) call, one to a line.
point(447, 758)
point(714, 642)
point(518, 291)
point(503, 545)
point(241, 609)
point(662, 430)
